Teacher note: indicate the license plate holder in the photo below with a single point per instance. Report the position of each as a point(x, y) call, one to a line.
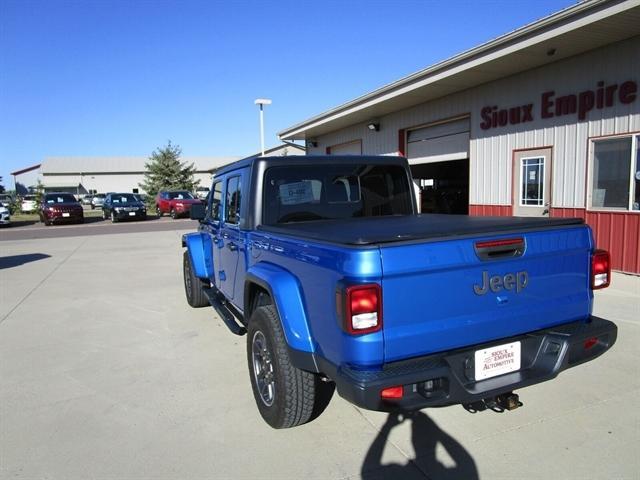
point(65, 214)
point(132, 214)
point(493, 361)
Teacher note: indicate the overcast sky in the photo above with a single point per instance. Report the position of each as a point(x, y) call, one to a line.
point(109, 78)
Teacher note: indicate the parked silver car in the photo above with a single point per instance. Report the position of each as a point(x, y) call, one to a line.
point(5, 216)
point(6, 200)
point(98, 200)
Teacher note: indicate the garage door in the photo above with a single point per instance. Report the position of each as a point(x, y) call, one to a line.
point(439, 143)
point(350, 148)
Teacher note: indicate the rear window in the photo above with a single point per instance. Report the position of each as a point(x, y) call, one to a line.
point(322, 192)
point(180, 196)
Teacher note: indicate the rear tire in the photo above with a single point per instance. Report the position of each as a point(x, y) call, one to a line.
point(193, 285)
point(285, 395)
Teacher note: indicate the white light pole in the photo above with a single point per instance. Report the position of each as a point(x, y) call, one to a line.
point(261, 102)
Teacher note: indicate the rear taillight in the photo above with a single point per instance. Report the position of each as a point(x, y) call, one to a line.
point(392, 393)
point(363, 309)
point(600, 269)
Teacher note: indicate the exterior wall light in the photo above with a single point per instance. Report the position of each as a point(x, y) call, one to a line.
point(374, 126)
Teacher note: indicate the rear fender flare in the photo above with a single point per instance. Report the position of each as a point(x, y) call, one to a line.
point(200, 251)
point(285, 291)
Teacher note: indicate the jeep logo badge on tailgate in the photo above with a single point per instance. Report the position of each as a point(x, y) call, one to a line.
point(510, 281)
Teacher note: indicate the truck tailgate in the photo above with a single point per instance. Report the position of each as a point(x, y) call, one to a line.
point(443, 295)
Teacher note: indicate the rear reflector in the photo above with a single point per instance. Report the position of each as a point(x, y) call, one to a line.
point(363, 309)
point(392, 393)
point(600, 269)
point(590, 342)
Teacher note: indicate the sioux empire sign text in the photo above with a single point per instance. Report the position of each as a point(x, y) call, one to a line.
point(553, 105)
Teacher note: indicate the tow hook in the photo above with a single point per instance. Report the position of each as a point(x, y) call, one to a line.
point(500, 403)
point(509, 401)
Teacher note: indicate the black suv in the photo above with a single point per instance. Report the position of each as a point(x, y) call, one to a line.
point(123, 206)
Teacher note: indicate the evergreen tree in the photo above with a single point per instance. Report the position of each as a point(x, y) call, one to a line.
point(1, 186)
point(165, 171)
point(39, 193)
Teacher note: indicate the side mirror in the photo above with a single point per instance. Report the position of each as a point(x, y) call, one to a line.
point(197, 211)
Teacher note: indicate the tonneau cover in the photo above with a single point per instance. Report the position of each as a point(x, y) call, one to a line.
point(375, 230)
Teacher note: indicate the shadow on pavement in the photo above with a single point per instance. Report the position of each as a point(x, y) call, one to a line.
point(23, 223)
point(93, 219)
point(425, 436)
point(17, 260)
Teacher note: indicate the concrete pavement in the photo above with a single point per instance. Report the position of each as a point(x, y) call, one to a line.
point(93, 226)
point(106, 372)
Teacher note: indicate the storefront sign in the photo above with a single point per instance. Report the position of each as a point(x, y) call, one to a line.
point(552, 105)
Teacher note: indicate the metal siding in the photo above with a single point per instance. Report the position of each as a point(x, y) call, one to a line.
point(491, 151)
point(107, 165)
point(617, 232)
point(490, 210)
point(28, 179)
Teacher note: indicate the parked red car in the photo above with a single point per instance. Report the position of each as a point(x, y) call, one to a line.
point(176, 203)
point(60, 208)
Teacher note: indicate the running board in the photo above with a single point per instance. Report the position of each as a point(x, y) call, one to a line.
point(218, 304)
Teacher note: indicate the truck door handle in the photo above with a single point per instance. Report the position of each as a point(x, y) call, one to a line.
point(232, 246)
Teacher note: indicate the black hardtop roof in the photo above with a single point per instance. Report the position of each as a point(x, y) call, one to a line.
point(313, 159)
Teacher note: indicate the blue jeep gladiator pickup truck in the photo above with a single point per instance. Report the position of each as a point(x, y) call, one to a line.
point(339, 284)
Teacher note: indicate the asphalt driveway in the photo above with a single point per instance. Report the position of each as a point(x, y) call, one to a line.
point(106, 372)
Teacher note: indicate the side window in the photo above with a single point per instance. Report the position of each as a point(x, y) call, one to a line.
point(216, 202)
point(232, 201)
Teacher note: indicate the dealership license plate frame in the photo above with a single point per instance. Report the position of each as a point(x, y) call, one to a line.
point(486, 357)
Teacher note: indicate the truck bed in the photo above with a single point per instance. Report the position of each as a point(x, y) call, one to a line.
point(424, 227)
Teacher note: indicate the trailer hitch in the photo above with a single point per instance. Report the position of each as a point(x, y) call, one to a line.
point(500, 403)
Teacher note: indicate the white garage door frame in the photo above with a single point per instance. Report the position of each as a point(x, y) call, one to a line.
point(443, 140)
point(352, 147)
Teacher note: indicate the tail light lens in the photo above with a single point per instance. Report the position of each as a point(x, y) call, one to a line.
point(392, 393)
point(363, 309)
point(600, 269)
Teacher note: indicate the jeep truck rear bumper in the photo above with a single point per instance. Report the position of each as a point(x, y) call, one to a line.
point(449, 378)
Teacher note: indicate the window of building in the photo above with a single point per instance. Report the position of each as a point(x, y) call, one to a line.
point(615, 175)
point(532, 182)
point(135, 190)
point(232, 203)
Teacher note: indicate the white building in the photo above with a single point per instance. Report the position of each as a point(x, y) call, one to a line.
point(25, 180)
point(81, 175)
point(544, 120)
